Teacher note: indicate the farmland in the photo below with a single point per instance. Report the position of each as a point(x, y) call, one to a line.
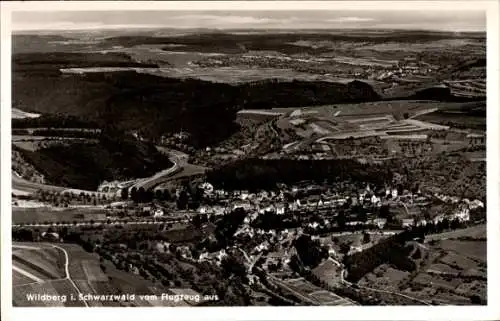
point(451, 270)
point(42, 214)
point(86, 275)
point(375, 130)
point(309, 292)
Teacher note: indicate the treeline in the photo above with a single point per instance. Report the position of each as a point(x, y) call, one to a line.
point(273, 41)
point(256, 174)
point(273, 93)
point(57, 133)
point(48, 61)
point(55, 121)
point(66, 133)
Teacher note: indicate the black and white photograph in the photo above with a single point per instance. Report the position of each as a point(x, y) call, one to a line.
point(193, 156)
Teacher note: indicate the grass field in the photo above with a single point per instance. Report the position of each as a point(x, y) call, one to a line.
point(44, 263)
point(328, 272)
point(475, 232)
point(41, 215)
point(84, 269)
point(472, 249)
point(449, 270)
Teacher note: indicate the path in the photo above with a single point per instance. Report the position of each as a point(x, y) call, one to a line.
point(68, 276)
point(27, 274)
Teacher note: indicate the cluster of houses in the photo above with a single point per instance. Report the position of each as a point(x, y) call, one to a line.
point(410, 66)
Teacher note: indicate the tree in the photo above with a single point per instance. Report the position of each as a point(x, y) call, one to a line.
point(341, 220)
point(166, 195)
point(124, 193)
point(141, 195)
point(366, 238)
point(345, 248)
point(182, 201)
point(133, 194)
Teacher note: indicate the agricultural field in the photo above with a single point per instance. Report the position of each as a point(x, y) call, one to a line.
point(375, 129)
point(89, 274)
point(451, 270)
point(29, 215)
point(328, 272)
point(44, 266)
point(317, 294)
point(42, 263)
point(385, 277)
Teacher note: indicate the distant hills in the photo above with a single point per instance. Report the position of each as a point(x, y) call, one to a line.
point(155, 105)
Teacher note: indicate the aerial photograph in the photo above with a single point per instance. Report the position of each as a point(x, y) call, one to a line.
point(168, 158)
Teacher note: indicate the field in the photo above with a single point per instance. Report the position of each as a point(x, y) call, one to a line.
point(45, 274)
point(35, 263)
point(314, 293)
point(38, 269)
point(328, 272)
point(456, 120)
point(451, 270)
point(42, 215)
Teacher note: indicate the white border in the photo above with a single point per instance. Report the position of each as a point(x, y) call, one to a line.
point(491, 312)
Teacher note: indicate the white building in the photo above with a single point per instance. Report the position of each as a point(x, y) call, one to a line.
point(158, 212)
point(375, 199)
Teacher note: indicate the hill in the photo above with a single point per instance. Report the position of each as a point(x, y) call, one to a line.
point(85, 165)
point(157, 106)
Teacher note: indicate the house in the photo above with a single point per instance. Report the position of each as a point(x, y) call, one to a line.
point(379, 222)
point(50, 236)
point(203, 209)
point(158, 212)
point(475, 204)
point(422, 222)
point(207, 188)
point(407, 222)
point(375, 199)
point(462, 215)
point(438, 219)
point(245, 206)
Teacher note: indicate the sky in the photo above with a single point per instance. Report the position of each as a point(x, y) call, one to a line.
point(457, 20)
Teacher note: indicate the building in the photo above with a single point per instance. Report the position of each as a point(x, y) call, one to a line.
point(158, 212)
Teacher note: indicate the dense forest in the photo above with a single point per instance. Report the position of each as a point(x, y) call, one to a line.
point(86, 165)
point(254, 174)
point(157, 105)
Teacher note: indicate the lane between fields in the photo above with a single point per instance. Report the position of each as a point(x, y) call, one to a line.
point(68, 276)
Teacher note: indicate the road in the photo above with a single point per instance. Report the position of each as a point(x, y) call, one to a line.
point(68, 276)
point(179, 160)
point(157, 178)
point(97, 223)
